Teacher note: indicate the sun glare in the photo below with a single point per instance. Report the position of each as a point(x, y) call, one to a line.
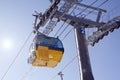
point(7, 44)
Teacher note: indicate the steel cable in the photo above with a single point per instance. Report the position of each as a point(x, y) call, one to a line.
point(16, 56)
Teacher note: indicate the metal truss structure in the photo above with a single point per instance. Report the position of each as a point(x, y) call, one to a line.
point(54, 14)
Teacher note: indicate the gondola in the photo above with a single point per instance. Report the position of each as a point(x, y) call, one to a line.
point(45, 51)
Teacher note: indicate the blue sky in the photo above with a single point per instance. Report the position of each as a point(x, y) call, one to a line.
point(16, 23)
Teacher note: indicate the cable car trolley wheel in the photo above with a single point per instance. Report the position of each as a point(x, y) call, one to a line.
point(45, 51)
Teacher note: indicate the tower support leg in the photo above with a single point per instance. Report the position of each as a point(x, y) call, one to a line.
point(83, 56)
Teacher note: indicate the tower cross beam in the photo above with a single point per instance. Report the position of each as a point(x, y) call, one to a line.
point(79, 20)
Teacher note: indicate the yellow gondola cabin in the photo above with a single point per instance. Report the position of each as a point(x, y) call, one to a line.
point(45, 51)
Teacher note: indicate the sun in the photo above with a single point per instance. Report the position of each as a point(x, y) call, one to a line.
point(7, 44)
